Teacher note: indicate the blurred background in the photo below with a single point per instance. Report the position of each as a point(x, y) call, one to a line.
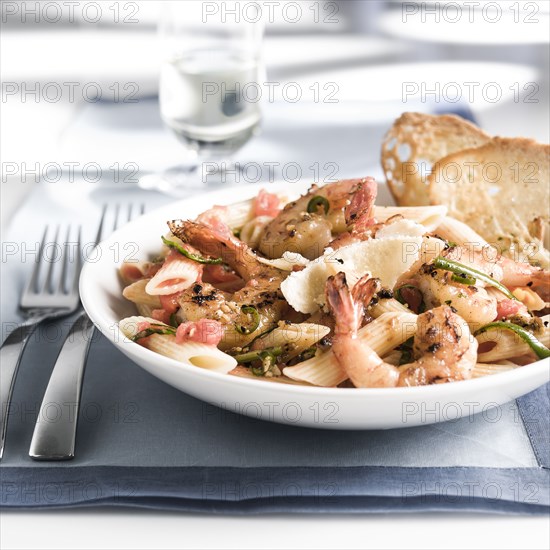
point(80, 83)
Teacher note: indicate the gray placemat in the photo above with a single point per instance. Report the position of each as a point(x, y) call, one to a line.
point(143, 443)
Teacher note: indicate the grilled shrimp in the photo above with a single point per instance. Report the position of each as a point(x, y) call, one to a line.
point(308, 233)
point(358, 215)
point(360, 362)
point(437, 287)
point(260, 290)
point(521, 274)
point(510, 273)
point(445, 348)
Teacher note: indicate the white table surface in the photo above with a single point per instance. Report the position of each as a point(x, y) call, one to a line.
point(104, 528)
point(134, 530)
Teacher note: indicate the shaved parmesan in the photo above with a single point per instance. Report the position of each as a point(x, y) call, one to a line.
point(384, 258)
point(402, 228)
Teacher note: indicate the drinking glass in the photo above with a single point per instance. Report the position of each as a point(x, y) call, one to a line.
point(209, 59)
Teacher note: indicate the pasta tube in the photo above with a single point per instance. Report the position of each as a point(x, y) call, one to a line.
point(296, 337)
point(485, 369)
point(176, 274)
point(429, 216)
point(193, 353)
point(136, 293)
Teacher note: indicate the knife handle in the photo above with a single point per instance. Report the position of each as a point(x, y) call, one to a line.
point(55, 439)
point(10, 358)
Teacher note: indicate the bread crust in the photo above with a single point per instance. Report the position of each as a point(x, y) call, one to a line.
point(426, 139)
point(500, 189)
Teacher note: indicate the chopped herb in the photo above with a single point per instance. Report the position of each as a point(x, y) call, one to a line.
point(461, 269)
point(261, 361)
point(317, 201)
point(541, 351)
point(406, 351)
point(153, 329)
point(307, 354)
point(268, 359)
point(250, 356)
point(249, 310)
point(190, 255)
point(174, 320)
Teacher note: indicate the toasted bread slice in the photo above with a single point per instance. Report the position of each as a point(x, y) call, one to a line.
point(502, 191)
point(414, 143)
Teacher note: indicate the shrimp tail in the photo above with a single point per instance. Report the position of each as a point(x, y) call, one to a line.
point(365, 289)
point(346, 312)
point(359, 210)
point(348, 307)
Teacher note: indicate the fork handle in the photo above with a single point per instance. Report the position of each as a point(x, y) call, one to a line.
point(10, 358)
point(55, 440)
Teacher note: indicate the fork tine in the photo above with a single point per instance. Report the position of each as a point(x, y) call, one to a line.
point(32, 285)
point(64, 265)
point(117, 212)
point(48, 286)
point(142, 209)
point(78, 260)
point(130, 209)
point(99, 233)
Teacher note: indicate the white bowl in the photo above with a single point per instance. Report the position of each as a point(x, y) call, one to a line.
point(329, 408)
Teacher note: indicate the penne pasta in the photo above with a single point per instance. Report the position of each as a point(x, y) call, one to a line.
point(388, 331)
point(176, 274)
point(136, 293)
point(429, 216)
point(296, 337)
point(507, 344)
point(455, 231)
point(530, 298)
point(244, 372)
point(382, 335)
point(130, 272)
point(388, 305)
point(237, 214)
point(321, 370)
point(200, 355)
point(145, 310)
point(486, 369)
point(502, 344)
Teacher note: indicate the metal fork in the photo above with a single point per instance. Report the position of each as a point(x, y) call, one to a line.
point(37, 303)
point(56, 440)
